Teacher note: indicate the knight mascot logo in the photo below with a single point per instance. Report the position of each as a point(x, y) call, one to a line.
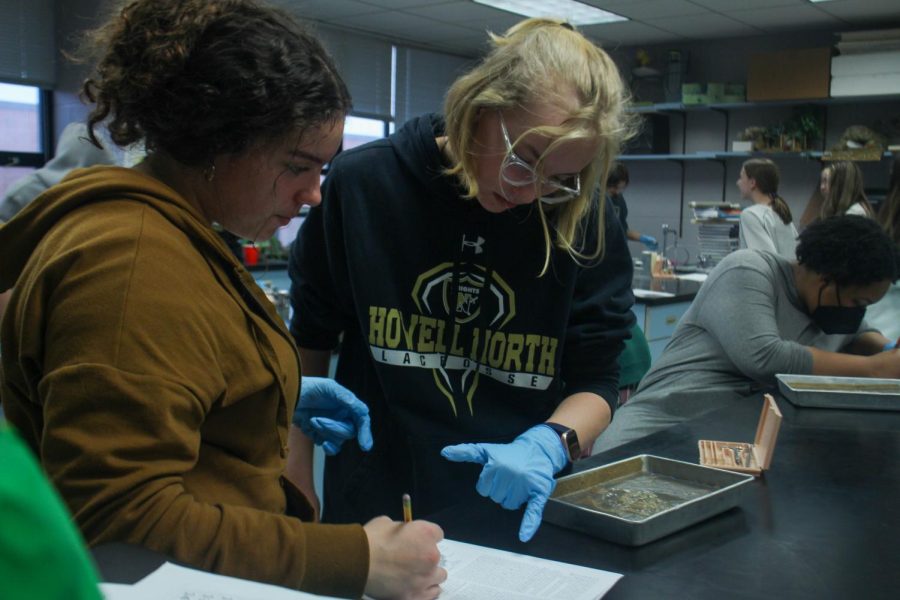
point(460, 332)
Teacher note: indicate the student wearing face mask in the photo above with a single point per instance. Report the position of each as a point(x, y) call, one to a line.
point(760, 314)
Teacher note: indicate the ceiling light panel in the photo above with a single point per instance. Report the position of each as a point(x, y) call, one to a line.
point(573, 12)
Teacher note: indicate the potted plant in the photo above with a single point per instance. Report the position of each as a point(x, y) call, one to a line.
point(802, 130)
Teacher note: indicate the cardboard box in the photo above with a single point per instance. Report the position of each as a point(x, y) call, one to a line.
point(715, 91)
point(789, 75)
point(694, 99)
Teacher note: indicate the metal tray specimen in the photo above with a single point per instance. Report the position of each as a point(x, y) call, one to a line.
point(862, 393)
point(643, 498)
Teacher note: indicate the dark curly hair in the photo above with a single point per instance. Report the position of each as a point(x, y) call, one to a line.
point(199, 78)
point(849, 250)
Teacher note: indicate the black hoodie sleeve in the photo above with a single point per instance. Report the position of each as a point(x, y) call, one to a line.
point(600, 319)
point(315, 266)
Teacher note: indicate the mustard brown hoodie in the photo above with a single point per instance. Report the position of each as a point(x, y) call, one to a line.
point(156, 383)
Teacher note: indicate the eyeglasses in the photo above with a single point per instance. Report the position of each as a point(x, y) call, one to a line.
point(517, 172)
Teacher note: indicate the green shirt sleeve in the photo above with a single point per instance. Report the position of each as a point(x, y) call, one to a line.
point(42, 555)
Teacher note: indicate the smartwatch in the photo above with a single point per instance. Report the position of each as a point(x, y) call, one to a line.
point(569, 439)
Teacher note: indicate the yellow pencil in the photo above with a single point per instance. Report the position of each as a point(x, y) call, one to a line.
point(407, 508)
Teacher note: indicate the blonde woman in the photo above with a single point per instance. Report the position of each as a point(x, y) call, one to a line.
point(841, 184)
point(483, 296)
point(768, 223)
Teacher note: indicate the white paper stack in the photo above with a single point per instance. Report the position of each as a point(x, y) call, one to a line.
point(869, 64)
point(474, 572)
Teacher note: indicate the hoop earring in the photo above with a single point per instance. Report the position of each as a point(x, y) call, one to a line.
point(209, 173)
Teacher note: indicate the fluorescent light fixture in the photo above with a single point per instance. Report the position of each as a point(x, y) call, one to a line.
point(575, 13)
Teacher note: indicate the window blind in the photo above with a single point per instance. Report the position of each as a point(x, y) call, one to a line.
point(423, 78)
point(365, 64)
point(27, 42)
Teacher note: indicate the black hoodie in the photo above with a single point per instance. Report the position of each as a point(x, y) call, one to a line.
point(393, 246)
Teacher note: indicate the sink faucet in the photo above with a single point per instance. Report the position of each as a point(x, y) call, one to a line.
point(666, 232)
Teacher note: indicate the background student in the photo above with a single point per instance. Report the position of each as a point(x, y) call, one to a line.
point(843, 191)
point(140, 359)
point(616, 183)
point(759, 314)
point(884, 315)
point(767, 224)
point(73, 151)
point(481, 287)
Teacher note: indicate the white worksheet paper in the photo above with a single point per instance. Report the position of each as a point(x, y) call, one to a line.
point(474, 573)
point(122, 591)
point(479, 573)
point(172, 582)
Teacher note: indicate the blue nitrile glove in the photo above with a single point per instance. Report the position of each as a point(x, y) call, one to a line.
point(331, 414)
point(518, 472)
point(889, 346)
point(649, 241)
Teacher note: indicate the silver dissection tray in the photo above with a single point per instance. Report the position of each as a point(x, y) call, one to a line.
point(643, 498)
point(862, 393)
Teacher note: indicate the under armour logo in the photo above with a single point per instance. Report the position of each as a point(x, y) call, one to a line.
point(476, 244)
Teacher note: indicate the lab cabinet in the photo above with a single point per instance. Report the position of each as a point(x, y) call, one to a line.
point(658, 322)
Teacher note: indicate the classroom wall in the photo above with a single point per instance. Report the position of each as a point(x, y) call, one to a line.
point(655, 190)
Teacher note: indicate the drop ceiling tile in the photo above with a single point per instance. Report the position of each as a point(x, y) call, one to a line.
point(735, 5)
point(403, 26)
point(863, 10)
point(460, 11)
point(327, 9)
point(785, 17)
point(401, 4)
point(628, 32)
point(706, 26)
point(657, 9)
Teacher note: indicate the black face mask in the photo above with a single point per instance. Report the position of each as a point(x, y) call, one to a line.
point(837, 319)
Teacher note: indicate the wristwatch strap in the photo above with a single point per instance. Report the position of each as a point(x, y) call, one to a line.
point(569, 438)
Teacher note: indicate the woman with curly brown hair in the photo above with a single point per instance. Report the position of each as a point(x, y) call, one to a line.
point(140, 360)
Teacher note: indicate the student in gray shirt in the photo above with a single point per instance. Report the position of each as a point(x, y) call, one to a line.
point(759, 314)
point(767, 224)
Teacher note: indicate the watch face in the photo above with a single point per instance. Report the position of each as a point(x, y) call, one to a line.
point(570, 438)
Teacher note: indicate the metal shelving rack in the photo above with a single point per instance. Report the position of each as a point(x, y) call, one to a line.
point(725, 109)
point(717, 235)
